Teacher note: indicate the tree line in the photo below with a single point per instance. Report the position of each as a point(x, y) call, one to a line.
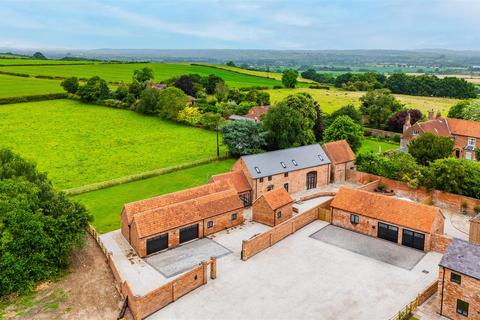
point(401, 83)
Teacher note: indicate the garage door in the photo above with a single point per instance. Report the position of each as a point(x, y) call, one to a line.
point(157, 244)
point(188, 233)
point(413, 239)
point(388, 232)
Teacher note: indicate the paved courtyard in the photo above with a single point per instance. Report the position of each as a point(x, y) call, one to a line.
point(186, 257)
point(378, 249)
point(301, 278)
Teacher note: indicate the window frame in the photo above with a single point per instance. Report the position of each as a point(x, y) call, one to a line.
point(209, 224)
point(269, 178)
point(354, 219)
point(469, 140)
point(285, 175)
point(270, 187)
point(455, 275)
point(279, 214)
point(234, 216)
point(260, 180)
point(463, 312)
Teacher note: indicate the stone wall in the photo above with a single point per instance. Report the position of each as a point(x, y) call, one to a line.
point(449, 292)
point(264, 240)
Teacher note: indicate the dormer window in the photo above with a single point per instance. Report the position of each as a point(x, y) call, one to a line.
point(320, 157)
point(257, 169)
point(416, 132)
point(283, 164)
point(294, 163)
point(472, 142)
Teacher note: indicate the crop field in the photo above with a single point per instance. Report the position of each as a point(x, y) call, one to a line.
point(12, 62)
point(79, 144)
point(11, 86)
point(106, 204)
point(333, 99)
point(124, 72)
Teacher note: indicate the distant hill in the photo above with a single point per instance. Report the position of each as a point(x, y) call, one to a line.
point(427, 57)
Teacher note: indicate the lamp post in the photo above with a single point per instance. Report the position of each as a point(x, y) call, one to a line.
point(218, 147)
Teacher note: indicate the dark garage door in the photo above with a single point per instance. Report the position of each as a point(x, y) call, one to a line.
point(188, 233)
point(413, 239)
point(387, 232)
point(157, 244)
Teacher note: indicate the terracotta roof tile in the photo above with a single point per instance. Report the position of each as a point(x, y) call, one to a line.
point(339, 151)
point(412, 215)
point(277, 198)
point(257, 112)
point(438, 126)
point(464, 127)
point(236, 178)
point(175, 215)
point(167, 199)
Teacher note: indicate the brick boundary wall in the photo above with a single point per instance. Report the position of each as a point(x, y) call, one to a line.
point(406, 312)
point(441, 199)
point(381, 133)
point(145, 305)
point(371, 186)
point(440, 242)
point(268, 238)
point(318, 194)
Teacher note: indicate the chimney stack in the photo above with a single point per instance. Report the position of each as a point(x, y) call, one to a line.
point(474, 234)
point(431, 115)
point(408, 122)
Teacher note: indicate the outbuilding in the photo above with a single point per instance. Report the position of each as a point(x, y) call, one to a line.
point(404, 222)
point(342, 158)
point(273, 207)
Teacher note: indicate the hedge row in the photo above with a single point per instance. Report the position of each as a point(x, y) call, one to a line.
point(139, 176)
point(38, 97)
point(16, 74)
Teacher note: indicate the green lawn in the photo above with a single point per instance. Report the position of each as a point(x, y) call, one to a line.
point(106, 204)
point(11, 86)
point(376, 146)
point(333, 99)
point(79, 144)
point(124, 72)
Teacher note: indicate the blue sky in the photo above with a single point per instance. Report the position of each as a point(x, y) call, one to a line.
point(236, 24)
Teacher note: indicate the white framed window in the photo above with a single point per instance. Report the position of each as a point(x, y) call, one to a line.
point(468, 155)
point(472, 142)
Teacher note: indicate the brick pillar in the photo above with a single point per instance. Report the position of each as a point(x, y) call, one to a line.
point(213, 268)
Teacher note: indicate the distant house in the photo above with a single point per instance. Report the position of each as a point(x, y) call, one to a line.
point(465, 133)
point(408, 223)
point(235, 117)
point(158, 86)
point(294, 169)
point(342, 157)
point(273, 207)
point(459, 277)
point(166, 221)
point(254, 114)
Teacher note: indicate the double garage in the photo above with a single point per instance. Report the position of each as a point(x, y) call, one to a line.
point(410, 238)
point(160, 243)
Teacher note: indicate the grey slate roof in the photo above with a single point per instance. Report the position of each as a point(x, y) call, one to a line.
point(463, 257)
point(270, 163)
point(235, 117)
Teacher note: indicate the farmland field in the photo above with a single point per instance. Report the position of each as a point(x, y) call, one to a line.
point(12, 62)
point(11, 86)
point(79, 144)
point(106, 204)
point(124, 72)
point(333, 99)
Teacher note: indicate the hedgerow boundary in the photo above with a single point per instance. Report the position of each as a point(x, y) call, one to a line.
point(32, 98)
point(139, 176)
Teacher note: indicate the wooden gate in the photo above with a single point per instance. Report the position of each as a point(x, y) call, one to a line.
point(325, 215)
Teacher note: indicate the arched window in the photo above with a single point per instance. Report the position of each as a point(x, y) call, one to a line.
point(311, 180)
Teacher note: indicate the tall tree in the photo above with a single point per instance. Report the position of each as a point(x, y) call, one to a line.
point(379, 106)
point(185, 84)
point(344, 128)
point(456, 111)
point(70, 85)
point(319, 126)
point(210, 83)
point(94, 90)
point(149, 101)
point(396, 122)
point(243, 137)
point(429, 147)
point(289, 78)
point(285, 128)
point(348, 110)
point(170, 102)
point(143, 75)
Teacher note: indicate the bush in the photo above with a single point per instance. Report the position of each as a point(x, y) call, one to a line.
point(70, 84)
point(430, 147)
point(94, 90)
point(211, 120)
point(39, 97)
point(39, 228)
point(243, 137)
point(190, 115)
point(113, 103)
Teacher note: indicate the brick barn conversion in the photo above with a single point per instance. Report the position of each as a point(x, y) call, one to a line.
point(342, 158)
point(273, 207)
point(294, 169)
point(400, 221)
point(167, 221)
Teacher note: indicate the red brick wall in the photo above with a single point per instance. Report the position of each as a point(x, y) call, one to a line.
point(440, 242)
point(124, 225)
point(369, 226)
point(262, 213)
point(468, 291)
point(286, 213)
point(339, 171)
point(223, 221)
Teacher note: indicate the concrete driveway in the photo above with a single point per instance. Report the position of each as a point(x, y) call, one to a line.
point(301, 278)
point(382, 250)
point(183, 258)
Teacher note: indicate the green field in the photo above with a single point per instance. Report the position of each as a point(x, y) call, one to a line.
point(124, 72)
point(333, 99)
point(376, 146)
point(11, 86)
point(106, 204)
point(79, 144)
point(12, 62)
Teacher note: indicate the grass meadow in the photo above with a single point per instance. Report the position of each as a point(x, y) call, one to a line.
point(11, 86)
point(124, 72)
point(79, 144)
point(333, 99)
point(17, 61)
point(376, 146)
point(106, 204)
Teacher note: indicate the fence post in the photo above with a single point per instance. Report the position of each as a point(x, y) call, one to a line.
point(204, 265)
point(213, 268)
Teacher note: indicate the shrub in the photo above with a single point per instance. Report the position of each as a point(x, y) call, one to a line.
point(211, 120)
point(430, 147)
point(70, 84)
point(170, 102)
point(244, 137)
point(39, 97)
point(94, 90)
point(396, 122)
point(190, 115)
